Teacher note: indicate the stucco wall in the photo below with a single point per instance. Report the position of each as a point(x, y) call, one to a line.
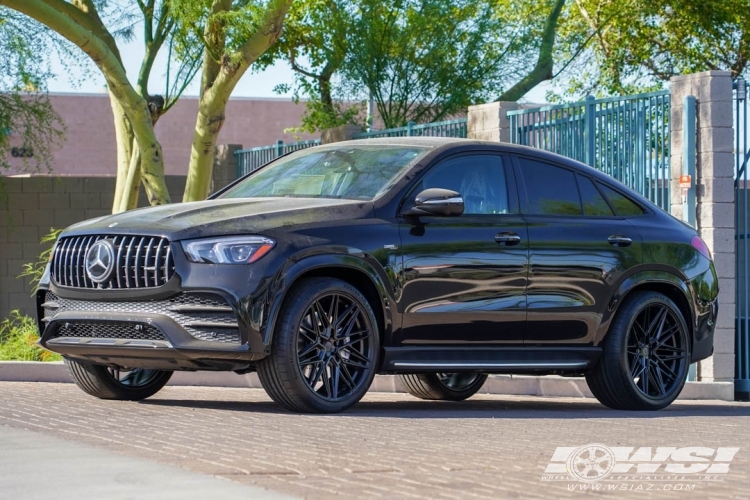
point(89, 146)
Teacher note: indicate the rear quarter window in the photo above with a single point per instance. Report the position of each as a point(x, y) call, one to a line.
point(623, 205)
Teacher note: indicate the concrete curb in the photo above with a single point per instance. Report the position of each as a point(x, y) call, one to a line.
point(519, 385)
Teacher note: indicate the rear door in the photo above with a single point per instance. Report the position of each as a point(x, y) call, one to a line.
point(579, 250)
point(464, 278)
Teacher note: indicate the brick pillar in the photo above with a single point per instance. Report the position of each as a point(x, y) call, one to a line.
point(225, 166)
point(714, 197)
point(489, 122)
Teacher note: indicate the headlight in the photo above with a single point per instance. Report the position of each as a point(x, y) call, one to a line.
point(227, 250)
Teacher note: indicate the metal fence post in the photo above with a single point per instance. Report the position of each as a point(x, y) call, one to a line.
point(590, 125)
point(410, 128)
point(279, 148)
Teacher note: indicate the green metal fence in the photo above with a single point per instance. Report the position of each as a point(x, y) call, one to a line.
point(254, 158)
point(742, 239)
point(450, 128)
point(626, 137)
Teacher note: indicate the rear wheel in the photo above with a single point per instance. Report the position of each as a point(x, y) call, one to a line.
point(105, 382)
point(646, 355)
point(325, 348)
point(443, 386)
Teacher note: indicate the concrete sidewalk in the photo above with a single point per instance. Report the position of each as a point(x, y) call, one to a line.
point(519, 385)
point(41, 466)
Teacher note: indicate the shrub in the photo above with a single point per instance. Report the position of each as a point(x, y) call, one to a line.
point(18, 336)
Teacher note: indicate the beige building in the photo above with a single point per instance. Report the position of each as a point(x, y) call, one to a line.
point(89, 147)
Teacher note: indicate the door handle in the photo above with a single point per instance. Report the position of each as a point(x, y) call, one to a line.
point(619, 240)
point(507, 238)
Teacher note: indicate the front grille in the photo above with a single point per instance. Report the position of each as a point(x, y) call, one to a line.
point(140, 262)
point(106, 330)
point(205, 316)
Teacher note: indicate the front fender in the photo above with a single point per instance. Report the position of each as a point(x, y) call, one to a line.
point(353, 260)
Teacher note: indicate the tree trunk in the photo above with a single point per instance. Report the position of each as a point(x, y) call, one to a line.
point(124, 138)
point(207, 128)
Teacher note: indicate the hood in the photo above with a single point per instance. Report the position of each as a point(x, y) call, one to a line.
point(224, 217)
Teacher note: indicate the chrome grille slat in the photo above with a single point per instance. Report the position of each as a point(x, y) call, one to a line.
point(156, 261)
point(140, 262)
point(145, 261)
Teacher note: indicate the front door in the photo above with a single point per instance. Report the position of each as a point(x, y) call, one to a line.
point(464, 278)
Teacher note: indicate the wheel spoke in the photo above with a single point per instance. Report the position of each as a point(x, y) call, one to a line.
point(358, 355)
point(355, 364)
point(320, 312)
point(315, 373)
point(347, 376)
point(307, 350)
point(333, 309)
point(666, 369)
point(660, 385)
point(327, 379)
point(309, 333)
point(335, 376)
point(355, 337)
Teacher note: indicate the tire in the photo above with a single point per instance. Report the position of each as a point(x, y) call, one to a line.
point(105, 383)
point(443, 386)
point(325, 348)
point(646, 355)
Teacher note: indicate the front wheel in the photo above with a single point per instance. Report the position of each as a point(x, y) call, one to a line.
point(325, 348)
point(443, 386)
point(646, 355)
point(104, 382)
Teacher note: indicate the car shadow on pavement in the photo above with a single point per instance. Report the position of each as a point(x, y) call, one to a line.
point(478, 408)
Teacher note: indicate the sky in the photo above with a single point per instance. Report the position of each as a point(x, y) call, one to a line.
point(251, 85)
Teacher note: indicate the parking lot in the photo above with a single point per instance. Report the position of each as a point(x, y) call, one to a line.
point(388, 446)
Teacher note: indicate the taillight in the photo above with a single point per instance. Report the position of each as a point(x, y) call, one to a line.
point(701, 246)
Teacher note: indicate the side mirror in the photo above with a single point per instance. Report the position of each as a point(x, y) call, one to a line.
point(436, 201)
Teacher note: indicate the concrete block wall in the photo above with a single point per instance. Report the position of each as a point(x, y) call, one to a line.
point(489, 122)
point(715, 197)
point(31, 205)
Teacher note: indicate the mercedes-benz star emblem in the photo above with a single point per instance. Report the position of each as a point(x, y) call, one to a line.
point(100, 261)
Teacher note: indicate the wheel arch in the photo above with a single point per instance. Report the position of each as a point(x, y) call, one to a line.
point(662, 282)
point(353, 270)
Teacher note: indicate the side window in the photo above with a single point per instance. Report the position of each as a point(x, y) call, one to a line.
point(551, 190)
point(480, 179)
point(593, 201)
point(621, 204)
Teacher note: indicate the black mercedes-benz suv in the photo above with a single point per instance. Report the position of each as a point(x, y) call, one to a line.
point(440, 260)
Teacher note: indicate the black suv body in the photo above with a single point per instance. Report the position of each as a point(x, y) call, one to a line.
point(441, 260)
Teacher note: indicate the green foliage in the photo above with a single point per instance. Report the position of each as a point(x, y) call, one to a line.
point(35, 270)
point(637, 46)
point(420, 60)
point(27, 120)
point(18, 336)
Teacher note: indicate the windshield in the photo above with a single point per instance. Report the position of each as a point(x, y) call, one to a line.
point(357, 172)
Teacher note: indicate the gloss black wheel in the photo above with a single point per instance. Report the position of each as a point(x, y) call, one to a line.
point(325, 348)
point(116, 383)
point(646, 355)
point(443, 386)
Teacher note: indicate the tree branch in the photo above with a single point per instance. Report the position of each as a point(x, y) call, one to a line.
point(543, 69)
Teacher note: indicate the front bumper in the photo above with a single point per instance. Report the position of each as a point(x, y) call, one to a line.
point(207, 317)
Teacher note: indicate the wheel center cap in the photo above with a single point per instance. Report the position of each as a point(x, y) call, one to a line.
point(645, 352)
point(329, 346)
